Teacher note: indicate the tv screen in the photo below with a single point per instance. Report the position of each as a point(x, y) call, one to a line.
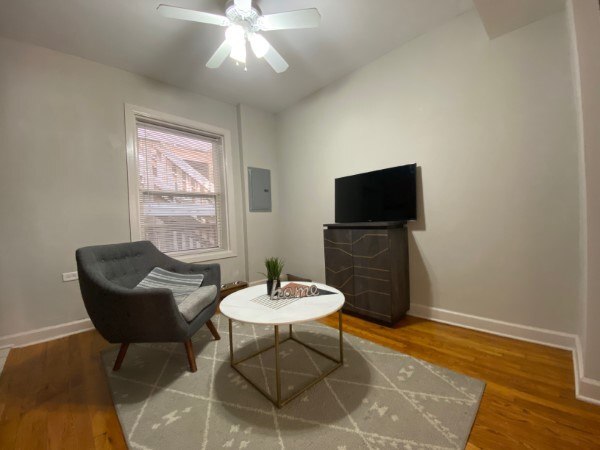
point(381, 196)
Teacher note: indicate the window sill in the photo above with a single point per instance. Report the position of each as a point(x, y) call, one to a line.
point(205, 256)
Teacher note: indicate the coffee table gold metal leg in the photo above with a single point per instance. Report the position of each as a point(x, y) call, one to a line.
point(277, 400)
point(231, 343)
point(341, 339)
point(277, 367)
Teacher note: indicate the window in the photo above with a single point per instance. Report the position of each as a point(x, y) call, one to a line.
point(177, 183)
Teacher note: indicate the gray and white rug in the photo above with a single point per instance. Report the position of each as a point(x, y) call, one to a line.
point(379, 399)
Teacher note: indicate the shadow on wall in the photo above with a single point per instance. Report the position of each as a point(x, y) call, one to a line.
point(419, 224)
point(420, 282)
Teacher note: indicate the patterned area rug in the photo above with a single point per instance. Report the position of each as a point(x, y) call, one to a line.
point(379, 399)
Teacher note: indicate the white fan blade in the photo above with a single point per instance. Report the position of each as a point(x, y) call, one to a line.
point(244, 5)
point(174, 12)
point(303, 18)
point(276, 60)
point(260, 46)
point(219, 56)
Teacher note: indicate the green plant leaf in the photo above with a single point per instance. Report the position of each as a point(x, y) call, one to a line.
point(274, 266)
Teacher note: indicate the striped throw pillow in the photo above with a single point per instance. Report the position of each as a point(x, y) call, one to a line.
point(181, 285)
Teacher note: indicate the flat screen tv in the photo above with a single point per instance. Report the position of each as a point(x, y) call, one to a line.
point(386, 195)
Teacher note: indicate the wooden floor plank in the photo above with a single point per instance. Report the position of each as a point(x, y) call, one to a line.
point(20, 415)
point(79, 399)
point(106, 428)
point(55, 395)
point(57, 378)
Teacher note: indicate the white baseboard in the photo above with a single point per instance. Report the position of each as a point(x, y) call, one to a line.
point(542, 336)
point(45, 334)
point(586, 389)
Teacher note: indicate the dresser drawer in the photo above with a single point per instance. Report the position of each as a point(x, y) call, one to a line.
point(339, 267)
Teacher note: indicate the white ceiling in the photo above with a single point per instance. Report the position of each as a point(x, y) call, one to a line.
point(131, 35)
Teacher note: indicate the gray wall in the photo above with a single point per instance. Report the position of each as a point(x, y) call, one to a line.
point(492, 125)
point(585, 15)
point(63, 177)
point(257, 134)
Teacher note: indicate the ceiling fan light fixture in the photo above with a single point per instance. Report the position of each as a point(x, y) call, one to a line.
point(238, 52)
point(236, 36)
point(260, 46)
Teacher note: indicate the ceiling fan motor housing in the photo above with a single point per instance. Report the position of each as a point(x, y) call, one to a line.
point(247, 19)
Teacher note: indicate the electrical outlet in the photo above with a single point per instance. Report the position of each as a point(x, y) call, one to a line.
point(70, 276)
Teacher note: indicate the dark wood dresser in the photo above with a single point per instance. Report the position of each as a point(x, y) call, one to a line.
point(368, 262)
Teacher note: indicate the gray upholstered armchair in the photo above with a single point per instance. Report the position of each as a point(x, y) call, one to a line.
point(107, 276)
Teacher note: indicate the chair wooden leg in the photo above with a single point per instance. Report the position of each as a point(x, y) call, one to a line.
point(190, 354)
point(120, 356)
point(213, 330)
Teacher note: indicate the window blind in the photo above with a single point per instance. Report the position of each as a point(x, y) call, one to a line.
point(181, 196)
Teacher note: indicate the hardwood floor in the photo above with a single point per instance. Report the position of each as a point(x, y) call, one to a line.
point(55, 395)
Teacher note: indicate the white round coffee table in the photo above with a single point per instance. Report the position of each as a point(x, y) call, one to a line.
point(251, 305)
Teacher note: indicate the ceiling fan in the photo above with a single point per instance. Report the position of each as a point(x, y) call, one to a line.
point(244, 22)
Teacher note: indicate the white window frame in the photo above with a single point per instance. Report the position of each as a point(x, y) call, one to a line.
point(228, 247)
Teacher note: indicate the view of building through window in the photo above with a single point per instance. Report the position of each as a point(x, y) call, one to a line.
point(180, 188)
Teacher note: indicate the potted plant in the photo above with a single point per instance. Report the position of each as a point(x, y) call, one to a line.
point(274, 267)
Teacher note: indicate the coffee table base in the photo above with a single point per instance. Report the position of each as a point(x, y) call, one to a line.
point(278, 400)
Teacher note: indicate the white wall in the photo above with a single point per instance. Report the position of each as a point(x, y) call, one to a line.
point(492, 125)
point(63, 177)
point(257, 134)
point(585, 16)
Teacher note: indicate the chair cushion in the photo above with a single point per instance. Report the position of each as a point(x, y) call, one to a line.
point(190, 298)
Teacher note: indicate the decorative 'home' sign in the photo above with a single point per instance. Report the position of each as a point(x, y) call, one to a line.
point(294, 290)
